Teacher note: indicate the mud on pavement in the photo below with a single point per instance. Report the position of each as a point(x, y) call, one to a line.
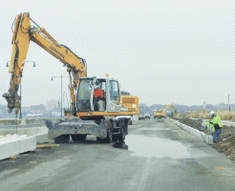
point(226, 144)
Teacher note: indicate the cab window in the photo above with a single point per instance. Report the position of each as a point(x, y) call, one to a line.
point(114, 92)
point(84, 89)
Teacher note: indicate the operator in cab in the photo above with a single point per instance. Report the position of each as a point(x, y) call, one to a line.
point(98, 96)
point(216, 126)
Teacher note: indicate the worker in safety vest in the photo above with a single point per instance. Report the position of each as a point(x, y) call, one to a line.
point(216, 126)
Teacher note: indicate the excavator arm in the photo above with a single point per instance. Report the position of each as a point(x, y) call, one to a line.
point(167, 106)
point(23, 33)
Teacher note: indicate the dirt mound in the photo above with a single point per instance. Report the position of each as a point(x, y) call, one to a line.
point(226, 144)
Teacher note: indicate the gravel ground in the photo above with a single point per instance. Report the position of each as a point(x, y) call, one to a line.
point(226, 144)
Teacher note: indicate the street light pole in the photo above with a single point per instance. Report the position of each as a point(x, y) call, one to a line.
point(20, 116)
point(61, 99)
point(61, 102)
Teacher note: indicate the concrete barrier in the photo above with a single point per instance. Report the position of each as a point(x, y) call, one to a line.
point(8, 147)
point(41, 133)
point(12, 145)
point(178, 123)
point(204, 137)
point(26, 143)
point(29, 131)
point(228, 123)
point(23, 122)
point(42, 138)
point(224, 122)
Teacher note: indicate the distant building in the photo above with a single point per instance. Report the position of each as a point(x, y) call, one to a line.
point(40, 107)
point(51, 104)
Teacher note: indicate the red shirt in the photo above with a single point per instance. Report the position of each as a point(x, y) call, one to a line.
point(98, 93)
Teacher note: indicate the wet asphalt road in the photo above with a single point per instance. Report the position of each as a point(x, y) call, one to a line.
point(160, 156)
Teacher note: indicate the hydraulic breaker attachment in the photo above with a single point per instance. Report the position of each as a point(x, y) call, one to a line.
point(13, 102)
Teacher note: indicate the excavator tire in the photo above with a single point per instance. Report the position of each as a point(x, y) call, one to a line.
point(62, 139)
point(121, 137)
point(78, 137)
point(99, 140)
point(123, 131)
point(115, 138)
point(109, 138)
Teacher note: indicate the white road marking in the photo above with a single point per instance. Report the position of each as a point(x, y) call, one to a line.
point(144, 175)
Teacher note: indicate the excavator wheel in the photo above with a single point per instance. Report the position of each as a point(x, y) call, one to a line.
point(109, 138)
point(115, 138)
point(99, 140)
point(122, 135)
point(79, 137)
point(123, 131)
point(62, 139)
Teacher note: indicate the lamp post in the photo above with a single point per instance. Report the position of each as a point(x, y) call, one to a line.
point(34, 65)
point(61, 91)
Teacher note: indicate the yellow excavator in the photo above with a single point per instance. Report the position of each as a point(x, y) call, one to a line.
point(90, 113)
point(161, 113)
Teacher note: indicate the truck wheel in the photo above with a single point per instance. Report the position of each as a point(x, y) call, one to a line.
point(62, 139)
point(115, 138)
point(99, 140)
point(79, 137)
point(122, 135)
point(109, 137)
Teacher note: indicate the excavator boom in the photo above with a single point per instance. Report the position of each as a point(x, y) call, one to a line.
point(23, 33)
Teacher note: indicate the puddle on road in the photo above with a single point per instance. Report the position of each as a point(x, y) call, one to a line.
point(155, 147)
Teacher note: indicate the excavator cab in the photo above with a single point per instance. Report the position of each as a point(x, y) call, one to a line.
point(98, 95)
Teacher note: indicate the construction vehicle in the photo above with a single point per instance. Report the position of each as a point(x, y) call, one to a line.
point(88, 114)
point(161, 113)
point(130, 103)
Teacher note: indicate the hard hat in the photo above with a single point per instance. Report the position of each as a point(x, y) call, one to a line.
point(212, 113)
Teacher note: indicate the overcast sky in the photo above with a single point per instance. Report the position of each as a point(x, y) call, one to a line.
point(171, 51)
